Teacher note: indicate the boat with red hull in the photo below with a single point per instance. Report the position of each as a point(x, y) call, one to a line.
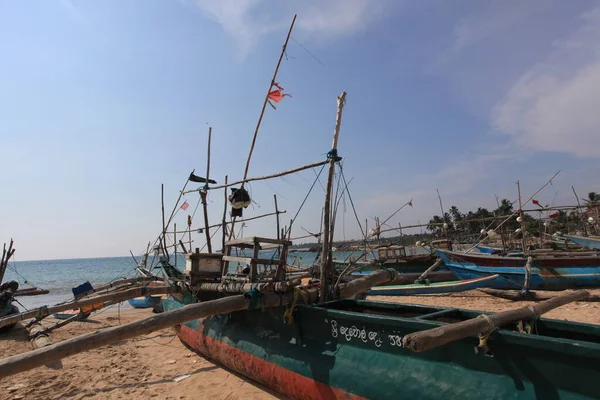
point(328, 351)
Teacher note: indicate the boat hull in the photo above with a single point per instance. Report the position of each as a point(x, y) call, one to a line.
point(339, 351)
point(590, 243)
point(144, 302)
point(432, 288)
point(547, 273)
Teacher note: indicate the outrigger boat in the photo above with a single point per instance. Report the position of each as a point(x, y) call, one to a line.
point(546, 271)
point(431, 288)
point(314, 341)
point(592, 243)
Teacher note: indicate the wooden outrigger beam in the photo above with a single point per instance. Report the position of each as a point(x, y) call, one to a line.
point(116, 297)
point(26, 361)
point(431, 338)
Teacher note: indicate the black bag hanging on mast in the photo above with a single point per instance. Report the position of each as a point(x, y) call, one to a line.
point(239, 199)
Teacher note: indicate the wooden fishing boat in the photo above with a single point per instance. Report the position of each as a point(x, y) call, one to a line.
point(329, 350)
point(431, 288)
point(489, 250)
point(554, 271)
point(592, 243)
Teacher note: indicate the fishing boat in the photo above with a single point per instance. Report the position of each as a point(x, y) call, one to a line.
point(431, 288)
point(489, 250)
point(354, 350)
point(550, 271)
point(314, 341)
point(592, 243)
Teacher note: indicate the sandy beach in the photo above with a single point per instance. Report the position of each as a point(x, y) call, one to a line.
point(159, 366)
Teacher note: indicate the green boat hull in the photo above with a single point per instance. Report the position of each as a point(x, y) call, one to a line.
point(353, 349)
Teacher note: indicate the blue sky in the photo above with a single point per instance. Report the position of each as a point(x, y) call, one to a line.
point(101, 102)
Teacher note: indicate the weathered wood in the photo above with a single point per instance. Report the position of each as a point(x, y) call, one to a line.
point(429, 270)
point(429, 339)
point(26, 361)
point(326, 251)
point(436, 276)
point(365, 284)
point(164, 226)
point(224, 222)
point(248, 260)
point(125, 281)
point(6, 255)
point(242, 287)
point(518, 295)
point(203, 194)
point(31, 292)
point(253, 239)
point(40, 339)
point(277, 217)
point(119, 296)
point(265, 177)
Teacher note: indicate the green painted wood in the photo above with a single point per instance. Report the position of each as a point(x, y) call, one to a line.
point(356, 346)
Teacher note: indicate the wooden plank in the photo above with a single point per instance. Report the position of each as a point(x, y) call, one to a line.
point(119, 296)
point(249, 260)
point(253, 239)
point(431, 338)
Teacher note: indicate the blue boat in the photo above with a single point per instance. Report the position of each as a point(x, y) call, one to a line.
point(431, 288)
point(592, 243)
point(144, 302)
point(488, 250)
point(547, 272)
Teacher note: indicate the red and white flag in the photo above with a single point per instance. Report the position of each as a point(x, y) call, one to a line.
point(185, 205)
point(551, 216)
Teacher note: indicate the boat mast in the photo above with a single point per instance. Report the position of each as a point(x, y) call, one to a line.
point(203, 194)
point(262, 112)
point(333, 158)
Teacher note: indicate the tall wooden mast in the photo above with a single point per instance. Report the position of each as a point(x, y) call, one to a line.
point(333, 158)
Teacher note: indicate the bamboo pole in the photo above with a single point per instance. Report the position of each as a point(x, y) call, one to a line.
point(203, 194)
point(242, 220)
point(326, 253)
point(224, 222)
point(521, 219)
point(26, 361)
point(6, 255)
point(265, 177)
point(579, 205)
point(164, 227)
point(429, 270)
point(277, 216)
point(431, 338)
point(445, 224)
point(175, 243)
point(262, 113)
point(119, 296)
point(515, 213)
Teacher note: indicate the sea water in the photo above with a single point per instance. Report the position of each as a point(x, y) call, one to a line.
point(60, 276)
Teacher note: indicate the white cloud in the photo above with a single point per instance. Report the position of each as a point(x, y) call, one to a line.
point(246, 21)
point(553, 106)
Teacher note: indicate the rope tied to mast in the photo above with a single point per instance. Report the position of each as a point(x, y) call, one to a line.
point(333, 154)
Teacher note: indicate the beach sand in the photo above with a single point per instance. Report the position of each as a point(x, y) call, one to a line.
point(145, 367)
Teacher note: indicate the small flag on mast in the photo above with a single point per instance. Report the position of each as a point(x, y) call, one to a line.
point(185, 205)
point(277, 95)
